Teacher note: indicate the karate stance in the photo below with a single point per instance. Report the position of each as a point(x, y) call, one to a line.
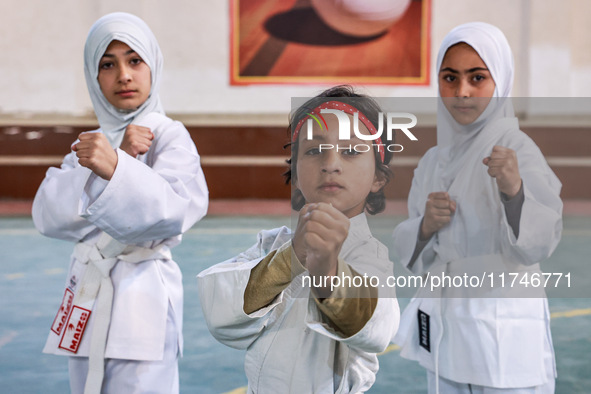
point(124, 195)
point(301, 334)
point(483, 201)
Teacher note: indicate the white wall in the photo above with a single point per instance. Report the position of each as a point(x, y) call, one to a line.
point(41, 45)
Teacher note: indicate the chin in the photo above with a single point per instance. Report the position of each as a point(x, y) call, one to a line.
point(465, 120)
point(126, 106)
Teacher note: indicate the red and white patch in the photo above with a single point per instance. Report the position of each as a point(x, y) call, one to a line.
point(75, 329)
point(62, 314)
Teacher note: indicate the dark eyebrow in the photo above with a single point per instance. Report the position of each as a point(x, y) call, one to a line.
point(126, 53)
point(315, 137)
point(451, 70)
point(477, 69)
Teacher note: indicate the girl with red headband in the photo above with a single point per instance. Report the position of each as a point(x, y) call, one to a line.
point(298, 301)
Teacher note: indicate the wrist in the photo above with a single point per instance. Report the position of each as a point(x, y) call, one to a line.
point(513, 190)
point(298, 252)
point(114, 159)
point(322, 267)
point(424, 234)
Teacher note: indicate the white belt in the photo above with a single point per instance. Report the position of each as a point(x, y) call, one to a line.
point(96, 285)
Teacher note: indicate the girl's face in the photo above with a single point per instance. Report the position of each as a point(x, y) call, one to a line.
point(465, 83)
point(124, 78)
point(343, 177)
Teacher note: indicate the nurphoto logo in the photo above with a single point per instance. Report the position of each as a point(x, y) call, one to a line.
point(393, 122)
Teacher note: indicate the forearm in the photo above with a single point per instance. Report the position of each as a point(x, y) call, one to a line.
point(540, 226)
point(408, 246)
point(513, 208)
point(163, 206)
point(419, 246)
point(270, 277)
point(349, 308)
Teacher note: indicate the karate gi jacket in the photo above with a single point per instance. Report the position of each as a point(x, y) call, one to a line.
point(290, 348)
point(149, 202)
point(498, 340)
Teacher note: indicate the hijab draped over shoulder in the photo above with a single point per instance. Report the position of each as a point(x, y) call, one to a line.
point(134, 32)
point(453, 139)
point(459, 169)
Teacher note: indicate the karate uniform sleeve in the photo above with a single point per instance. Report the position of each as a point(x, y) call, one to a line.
point(540, 225)
point(56, 204)
point(348, 309)
point(270, 277)
point(513, 209)
point(406, 234)
point(375, 330)
point(222, 290)
point(144, 203)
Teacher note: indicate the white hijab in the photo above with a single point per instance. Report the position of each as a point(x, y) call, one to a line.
point(134, 32)
point(454, 139)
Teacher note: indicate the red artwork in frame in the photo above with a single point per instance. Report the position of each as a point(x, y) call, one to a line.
point(307, 42)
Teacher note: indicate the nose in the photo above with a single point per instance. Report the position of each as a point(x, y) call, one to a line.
point(332, 161)
point(124, 73)
point(463, 88)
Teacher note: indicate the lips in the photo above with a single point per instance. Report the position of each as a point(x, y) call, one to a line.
point(462, 108)
point(125, 93)
point(331, 187)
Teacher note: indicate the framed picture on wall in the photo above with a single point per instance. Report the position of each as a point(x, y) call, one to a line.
point(382, 42)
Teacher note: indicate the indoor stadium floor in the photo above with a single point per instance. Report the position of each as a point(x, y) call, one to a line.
point(33, 269)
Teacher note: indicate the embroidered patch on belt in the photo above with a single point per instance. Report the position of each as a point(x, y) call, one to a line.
point(63, 312)
point(75, 329)
point(424, 331)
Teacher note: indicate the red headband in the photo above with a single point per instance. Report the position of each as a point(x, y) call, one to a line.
point(345, 108)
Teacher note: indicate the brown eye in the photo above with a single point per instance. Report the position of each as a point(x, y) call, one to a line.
point(312, 151)
point(350, 152)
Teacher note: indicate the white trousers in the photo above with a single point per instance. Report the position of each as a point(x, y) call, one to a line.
point(447, 386)
point(132, 376)
point(450, 387)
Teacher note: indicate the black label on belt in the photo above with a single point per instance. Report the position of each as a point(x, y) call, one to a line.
point(424, 331)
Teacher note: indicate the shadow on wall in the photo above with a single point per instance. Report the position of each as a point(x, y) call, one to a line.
point(304, 26)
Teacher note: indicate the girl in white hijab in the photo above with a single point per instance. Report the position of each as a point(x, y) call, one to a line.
point(482, 201)
point(125, 194)
point(132, 31)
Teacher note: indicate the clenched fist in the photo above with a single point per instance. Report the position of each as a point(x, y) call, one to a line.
point(318, 239)
point(502, 165)
point(95, 152)
point(137, 140)
point(438, 212)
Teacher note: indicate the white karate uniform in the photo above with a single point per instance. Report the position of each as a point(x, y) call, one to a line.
point(289, 346)
point(147, 204)
point(500, 342)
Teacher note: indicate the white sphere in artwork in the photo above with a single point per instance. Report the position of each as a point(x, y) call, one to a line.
point(360, 18)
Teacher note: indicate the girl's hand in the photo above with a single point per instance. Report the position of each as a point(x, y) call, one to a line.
point(137, 140)
point(438, 212)
point(502, 165)
point(318, 239)
point(95, 152)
